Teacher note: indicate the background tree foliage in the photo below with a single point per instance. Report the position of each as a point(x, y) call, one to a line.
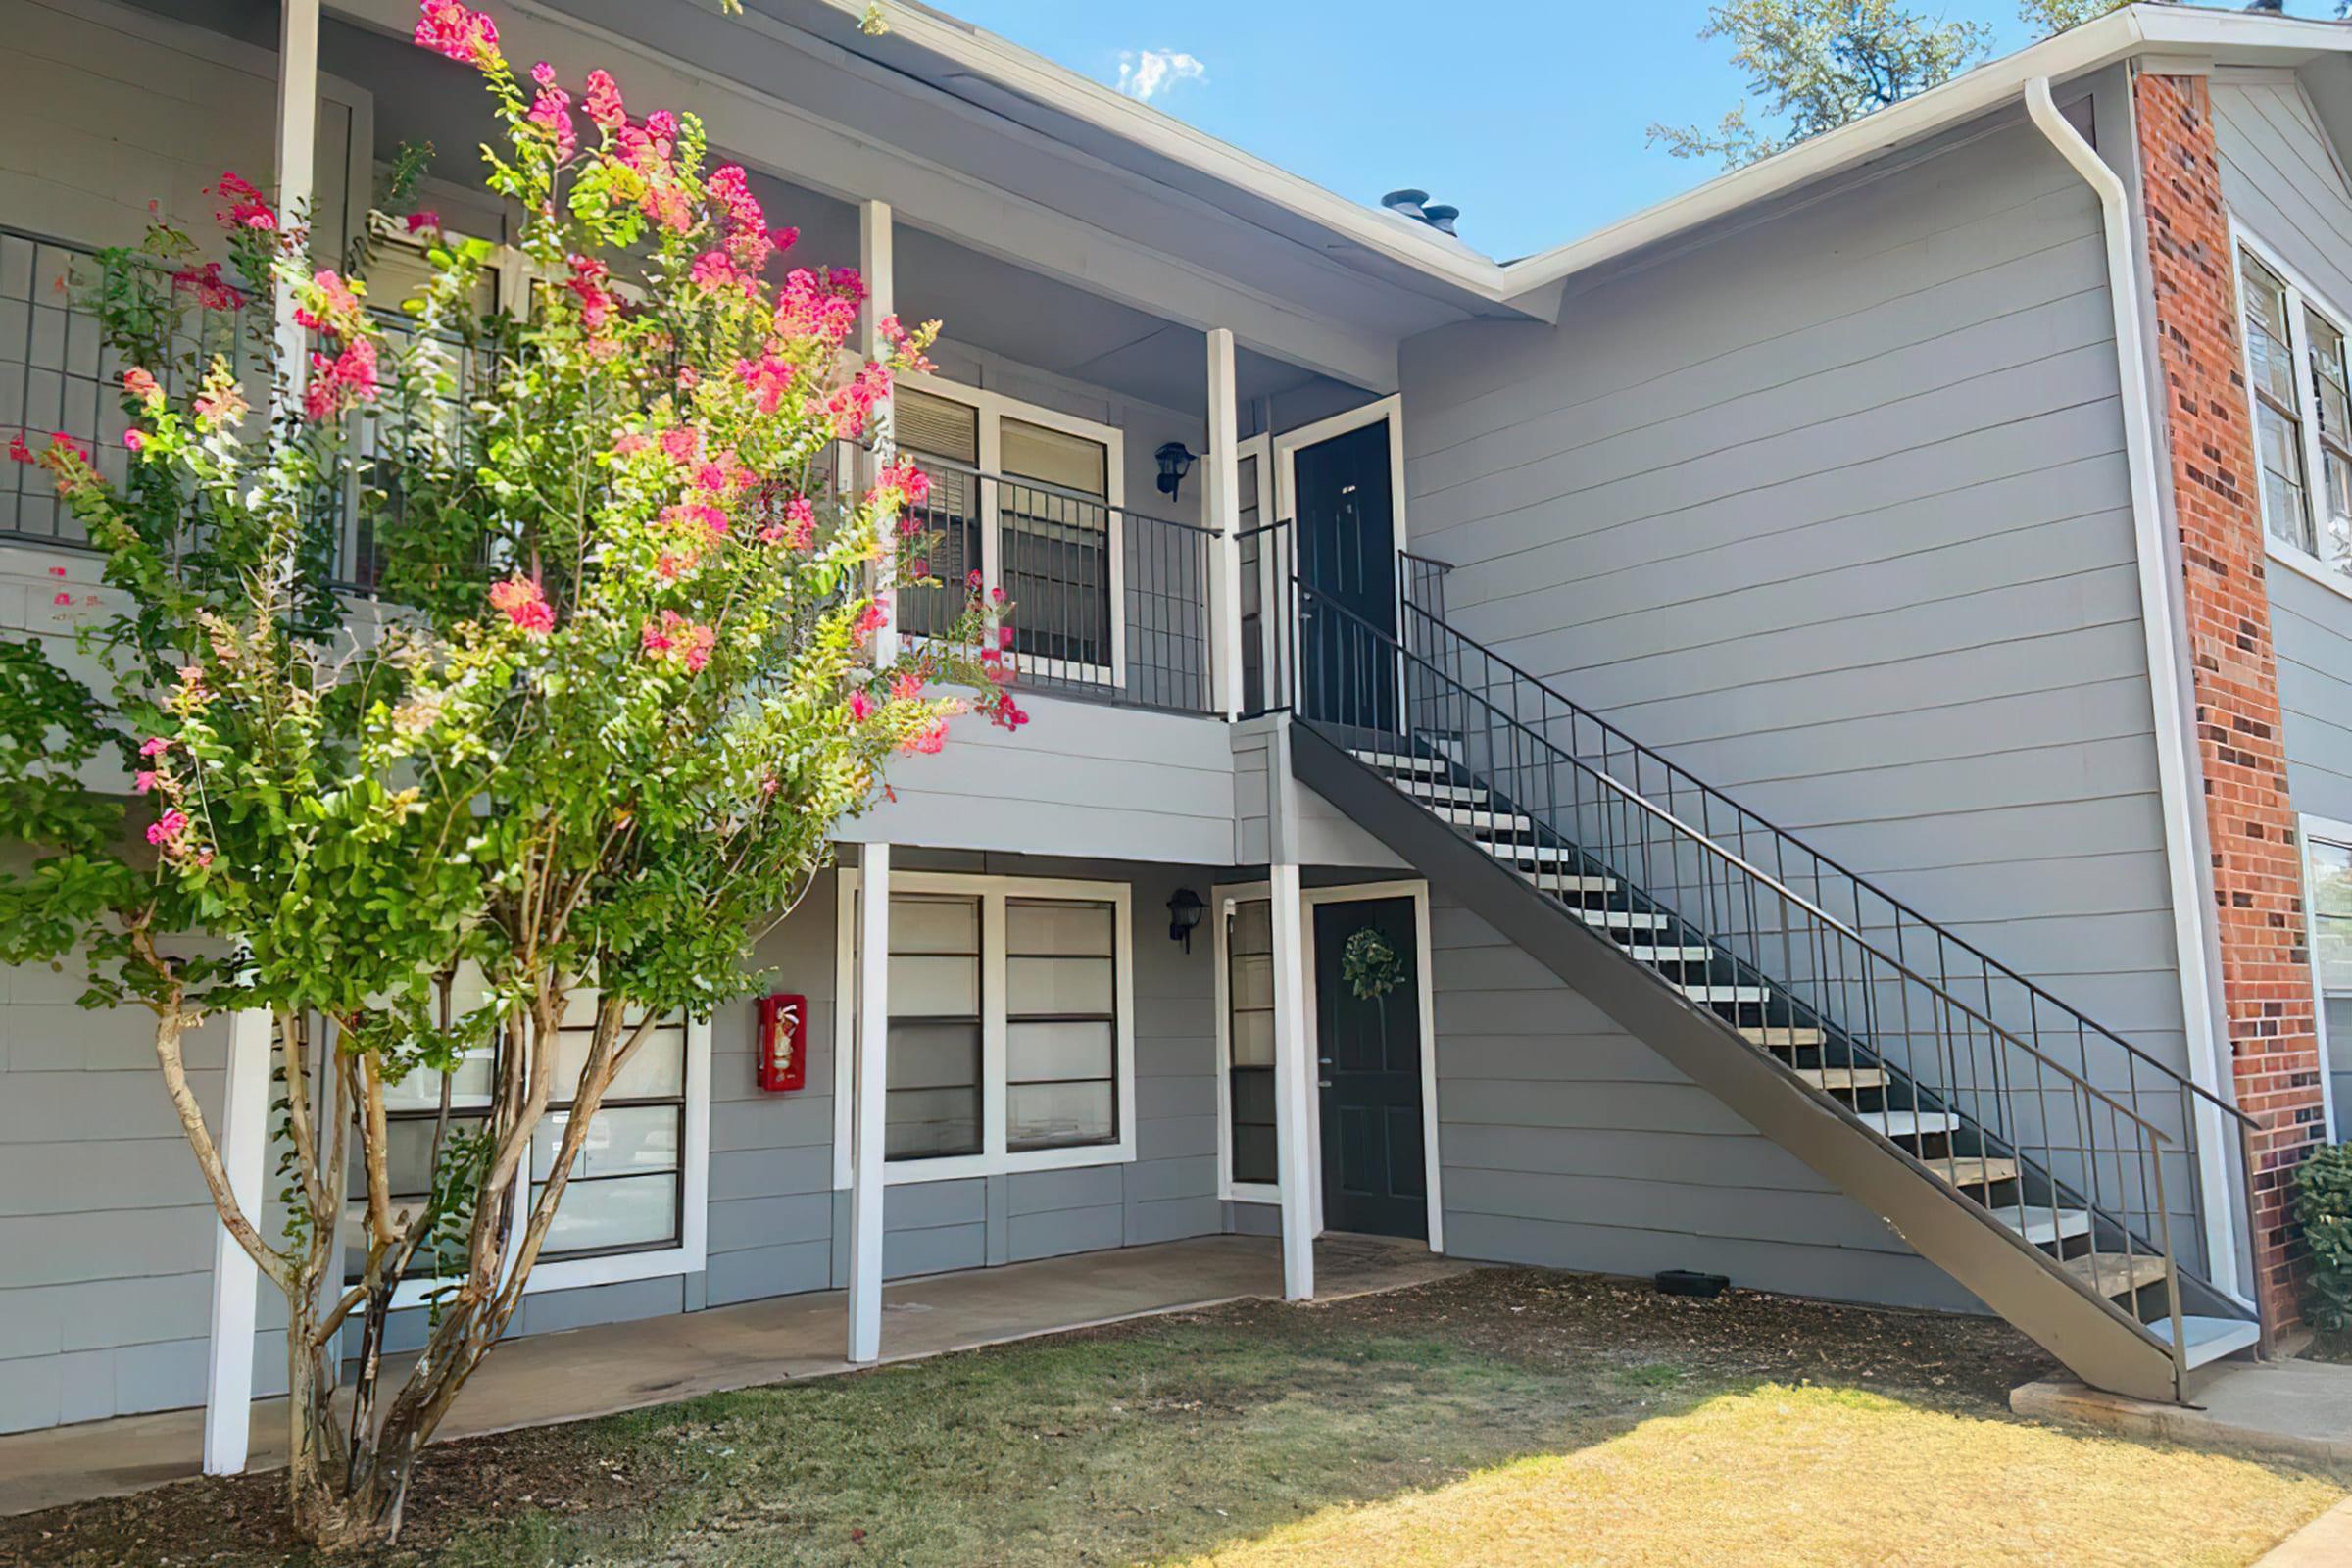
point(1818, 64)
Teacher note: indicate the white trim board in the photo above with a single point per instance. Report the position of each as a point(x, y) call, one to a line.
point(995, 1159)
point(2330, 831)
point(1309, 900)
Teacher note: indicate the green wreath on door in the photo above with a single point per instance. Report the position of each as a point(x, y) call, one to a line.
point(1373, 967)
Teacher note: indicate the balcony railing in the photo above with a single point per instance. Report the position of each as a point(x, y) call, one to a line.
point(1108, 605)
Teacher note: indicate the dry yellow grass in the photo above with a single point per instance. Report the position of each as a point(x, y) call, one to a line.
point(1806, 1476)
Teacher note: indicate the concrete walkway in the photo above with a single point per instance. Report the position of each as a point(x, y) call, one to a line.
point(598, 1371)
point(2280, 1410)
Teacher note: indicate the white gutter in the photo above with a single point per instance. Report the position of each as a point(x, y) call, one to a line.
point(2174, 784)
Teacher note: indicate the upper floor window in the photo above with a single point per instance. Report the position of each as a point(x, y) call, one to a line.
point(1026, 498)
point(2297, 370)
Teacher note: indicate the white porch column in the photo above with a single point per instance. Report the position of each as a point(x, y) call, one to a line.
point(297, 154)
point(1225, 517)
point(244, 1136)
point(1294, 1097)
point(243, 1132)
point(867, 1083)
point(874, 254)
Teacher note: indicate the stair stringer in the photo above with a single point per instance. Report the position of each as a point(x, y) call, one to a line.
point(2095, 1339)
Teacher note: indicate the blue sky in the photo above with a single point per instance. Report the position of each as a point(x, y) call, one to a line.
point(1527, 113)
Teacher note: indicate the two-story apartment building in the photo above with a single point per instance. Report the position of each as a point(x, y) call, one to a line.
point(1833, 696)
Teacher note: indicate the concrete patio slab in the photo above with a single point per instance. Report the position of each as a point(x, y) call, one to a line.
point(598, 1371)
point(2289, 1409)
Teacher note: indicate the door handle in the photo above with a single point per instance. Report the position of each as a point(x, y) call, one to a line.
point(1322, 1061)
point(1322, 1083)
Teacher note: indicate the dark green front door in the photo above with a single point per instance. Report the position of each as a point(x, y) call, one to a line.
point(1368, 1056)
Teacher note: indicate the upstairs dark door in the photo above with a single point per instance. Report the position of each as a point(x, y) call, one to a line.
point(1345, 506)
point(1368, 1056)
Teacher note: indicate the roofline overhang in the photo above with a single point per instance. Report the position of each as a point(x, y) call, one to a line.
point(2227, 37)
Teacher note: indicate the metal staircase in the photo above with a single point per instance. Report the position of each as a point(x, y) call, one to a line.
point(2053, 1168)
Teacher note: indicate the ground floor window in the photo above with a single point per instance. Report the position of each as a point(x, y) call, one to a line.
point(1011, 1042)
point(2327, 895)
point(635, 1185)
point(1249, 1036)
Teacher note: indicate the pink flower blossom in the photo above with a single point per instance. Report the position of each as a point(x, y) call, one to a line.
point(681, 442)
point(550, 112)
point(424, 217)
point(213, 291)
point(861, 706)
point(871, 619)
point(18, 450)
point(748, 241)
point(166, 829)
point(714, 270)
point(907, 685)
point(631, 444)
point(662, 126)
point(928, 742)
point(972, 581)
point(603, 100)
point(143, 782)
point(134, 438)
point(155, 746)
point(246, 209)
point(142, 385)
point(336, 384)
point(678, 640)
point(1004, 636)
point(448, 27)
point(525, 606)
point(688, 514)
point(768, 379)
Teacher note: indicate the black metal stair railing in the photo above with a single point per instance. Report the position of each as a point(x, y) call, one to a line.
point(2193, 1116)
point(2028, 1136)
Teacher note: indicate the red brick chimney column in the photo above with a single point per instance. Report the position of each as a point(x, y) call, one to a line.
point(2257, 871)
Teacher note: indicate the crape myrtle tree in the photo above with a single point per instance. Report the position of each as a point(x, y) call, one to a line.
point(618, 695)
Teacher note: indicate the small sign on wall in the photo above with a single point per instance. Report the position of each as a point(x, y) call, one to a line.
point(783, 1043)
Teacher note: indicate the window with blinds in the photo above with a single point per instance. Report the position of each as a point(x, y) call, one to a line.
point(946, 434)
point(2298, 369)
point(1053, 543)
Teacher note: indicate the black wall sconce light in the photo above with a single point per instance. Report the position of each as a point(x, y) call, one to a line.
point(1175, 462)
point(1184, 916)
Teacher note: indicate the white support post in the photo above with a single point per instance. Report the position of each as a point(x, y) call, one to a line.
point(243, 1132)
point(875, 260)
point(868, 1085)
point(244, 1136)
point(1225, 517)
point(1295, 1097)
point(297, 154)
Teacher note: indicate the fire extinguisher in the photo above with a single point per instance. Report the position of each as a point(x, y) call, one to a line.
point(783, 1043)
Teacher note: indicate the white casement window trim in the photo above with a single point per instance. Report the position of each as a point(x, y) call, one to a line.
point(2301, 295)
point(1221, 903)
point(687, 1257)
point(1221, 900)
point(994, 408)
point(993, 1158)
point(2330, 831)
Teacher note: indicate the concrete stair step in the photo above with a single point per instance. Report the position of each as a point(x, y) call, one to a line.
point(1776, 1037)
point(1909, 1123)
point(1400, 763)
point(2042, 1227)
point(1484, 821)
point(1717, 996)
point(1621, 923)
point(1423, 789)
point(1694, 953)
point(1972, 1170)
point(2114, 1274)
point(1838, 1079)
point(1527, 855)
point(2209, 1338)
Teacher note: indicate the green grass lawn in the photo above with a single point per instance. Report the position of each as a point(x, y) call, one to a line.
point(1500, 1419)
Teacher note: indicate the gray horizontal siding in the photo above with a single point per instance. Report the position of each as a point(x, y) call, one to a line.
point(1833, 510)
point(1567, 1143)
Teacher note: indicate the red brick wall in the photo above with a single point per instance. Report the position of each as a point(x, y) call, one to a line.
point(2257, 874)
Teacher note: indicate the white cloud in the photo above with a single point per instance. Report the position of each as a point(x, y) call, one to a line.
point(1146, 73)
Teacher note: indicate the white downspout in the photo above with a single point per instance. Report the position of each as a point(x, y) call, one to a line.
point(2141, 456)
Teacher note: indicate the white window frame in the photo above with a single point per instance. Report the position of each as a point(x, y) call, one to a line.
point(690, 1254)
point(2300, 296)
point(993, 409)
point(2330, 831)
point(993, 1158)
point(1221, 898)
